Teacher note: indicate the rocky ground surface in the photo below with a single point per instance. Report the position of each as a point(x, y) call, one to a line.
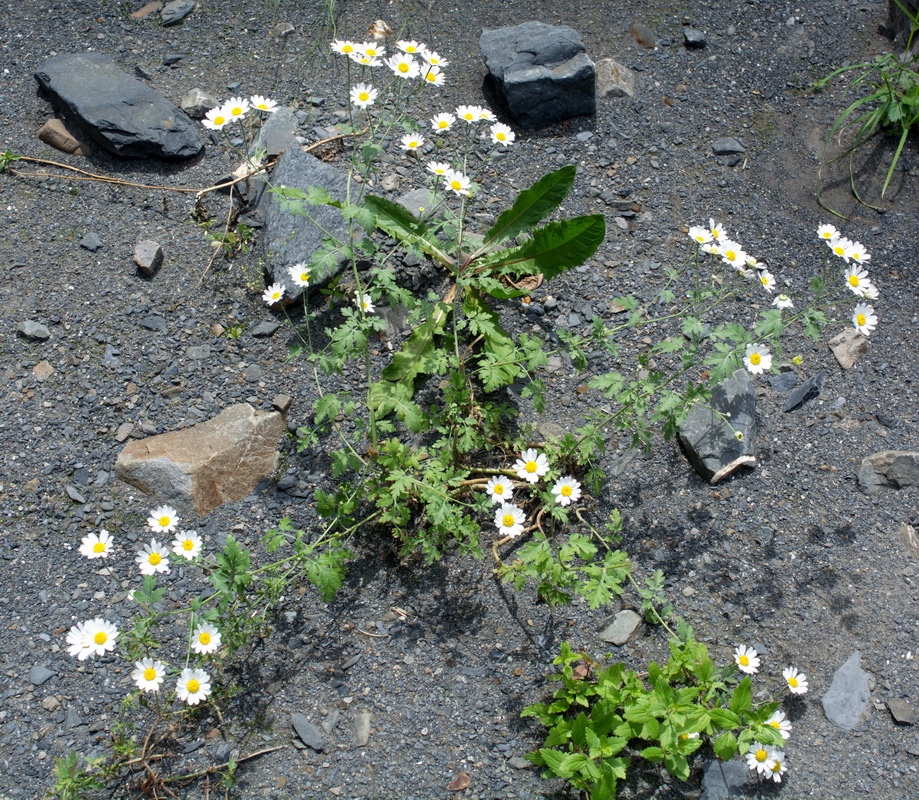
point(412, 676)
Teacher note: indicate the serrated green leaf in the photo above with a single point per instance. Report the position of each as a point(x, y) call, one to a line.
point(401, 224)
point(725, 746)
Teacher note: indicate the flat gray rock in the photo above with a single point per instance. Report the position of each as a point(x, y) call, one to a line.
point(806, 391)
point(148, 255)
point(173, 13)
point(541, 72)
point(91, 242)
point(40, 674)
point(889, 469)
point(33, 330)
point(726, 146)
point(120, 113)
point(710, 443)
point(902, 712)
point(847, 698)
point(309, 734)
point(724, 781)
point(622, 628)
point(361, 728)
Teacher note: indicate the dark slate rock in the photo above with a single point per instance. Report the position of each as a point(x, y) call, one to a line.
point(31, 329)
point(39, 674)
point(309, 734)
point(847, 698)
point(694, 38)
point(889, 469)
point(724, 781)
point(541, 72)
point(806, 391)
point(783, 382)
point(154, 323)
point(265, 329)
point(277, 133)
point(709, 442)
point(122, 114)
point(726, 146)
point(902, 712)
point(148, 255)
point(294, 239)
point(91, 242)
point(173, 13)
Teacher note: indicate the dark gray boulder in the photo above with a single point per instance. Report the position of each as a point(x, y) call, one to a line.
point(120, 113)
point(294, 239)
point(711, 443)
point(541, 72)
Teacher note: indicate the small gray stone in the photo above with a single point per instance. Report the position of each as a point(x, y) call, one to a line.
point(154, 323)
point(519, 762)
point(39, 674)
point(723, 781)
point(329, 723)
point(309, 734)
point(91, 242)
point(694, 38)
point(614, 79)
point(73, 719)
point(75, 494)
point(124, 431)
point(281, 403)
point(33, 330)
point(199, 352)
point(197, 102)
point(902, 712)
point(806, 391)
point(848, 347)
point(362, 728)
point(891, 469)
point(265, 329)
point(726, 146)
point(173, 13)
point(622, 627)
point(847, 698)
point(783, 382)
point(148, 255)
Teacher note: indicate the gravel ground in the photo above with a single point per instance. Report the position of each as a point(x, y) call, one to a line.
point(789, 557)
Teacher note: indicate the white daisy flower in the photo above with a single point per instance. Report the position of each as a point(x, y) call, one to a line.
point(372, 49)
point(365, 302)
point(216, 118)
point(567, 490)
point(364, 60)
point(411, 141)
point(148, 674)
point(857, 280)
point(300, 275)
point(757, 360)
point(858, 253)
point(509, 520)
point(486, 115)
point(193, 686)
point(263, 103)
point(434, 59)
point(531, 466)
point(797, 681)
point(783, 301)
point(236, 107)
point(782, 725)
point(153, 558)
point(343, 47)
point(502, 134)
point(403, 65)
point(731, 253)
point(827, 232)
point(163, 519)
point(746, 658)
point(840, 247)
point(434, 76)
point(187, 544)
point(500, 489)
point(768, 280)
point(96, 545)
point(273, 294)
point(438, 167)
point(758, 758)
point(700, 234)
point(870, 292)
point(455, 181)
point(717, 230)
point(864, 318)
point(206, 639)
point(778, 764)
point(711, 248)
point(469, 113)
point(94, 637)
point(442, 122)
point(363, 95)
point(407, 46)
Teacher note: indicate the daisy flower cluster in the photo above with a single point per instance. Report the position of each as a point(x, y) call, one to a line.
point(769, 761)
point(97, 637)
point(412, 60)
point(235, 109)
point(857, 281)
point(530, 467)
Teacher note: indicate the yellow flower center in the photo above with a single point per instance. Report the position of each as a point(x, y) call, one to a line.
point(193, 686)
point(531, 466)
point(853, 280)
point(347, 48)
point(793, 683)
point(499, 489)
point(839, 250)
point(276, 296)
point(500, 136)
point(235, 111)
point(370, 52)
point(468, 117)
point(777, 767)
point(155, 558)
point(98, 547)
point(413, 144)
point(164, 521)
point(744, 661)
point(431, 76)
point(566, 491)
point(403, 67)
point(149, 674)
point(754, 360)
point(765, 280)
point(761, 755)
point(220, 120)
point(363, 96)
point(508, 520)
point(188, 544)
point(443, 124)
point(730, 255)
point(456, 186)
point(776, 725)
point(204, 637)
point(100, 638)
point(861, 319)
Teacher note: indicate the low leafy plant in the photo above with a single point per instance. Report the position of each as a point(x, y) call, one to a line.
point(890, 101)
point(602, 719)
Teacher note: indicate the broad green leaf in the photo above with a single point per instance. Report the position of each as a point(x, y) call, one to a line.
point(554, 248)
point(403, 225)
point(741, 696)
point(533, 205)
point(724, 718)
point(725, 746)
point(653, 754)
